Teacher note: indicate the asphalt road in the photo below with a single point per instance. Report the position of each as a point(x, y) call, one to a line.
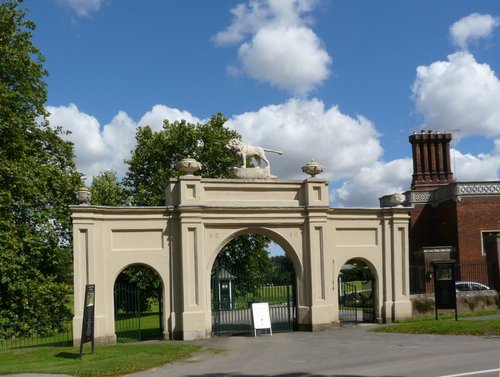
point(341, 352)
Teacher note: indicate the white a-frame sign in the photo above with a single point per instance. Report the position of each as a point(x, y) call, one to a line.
point(260, 317)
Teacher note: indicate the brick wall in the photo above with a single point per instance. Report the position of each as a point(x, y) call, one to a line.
point(432, 226)
point(476, 214)
point(456, 224)
point(420, 233)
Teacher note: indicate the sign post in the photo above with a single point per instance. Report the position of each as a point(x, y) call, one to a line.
point(260, 317)
point(88, 318)
point(445, 294)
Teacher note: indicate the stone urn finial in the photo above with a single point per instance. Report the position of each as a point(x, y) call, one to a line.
point(83, 196)
point(188, 166)
point(398, 199)
point(313, 168)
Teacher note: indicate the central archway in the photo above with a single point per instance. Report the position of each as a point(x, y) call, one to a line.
point(250, 268)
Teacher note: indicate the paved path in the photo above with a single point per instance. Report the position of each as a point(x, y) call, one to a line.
point(341, 352)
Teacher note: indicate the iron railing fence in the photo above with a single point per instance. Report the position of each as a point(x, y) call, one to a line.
point(233, 293)
point(133, 320)
point(422, 281)
point(53, 333)
point(356, 301)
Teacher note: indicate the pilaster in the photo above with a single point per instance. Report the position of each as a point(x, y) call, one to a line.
point(396, 270)
point(88, 269)
point(317, 252)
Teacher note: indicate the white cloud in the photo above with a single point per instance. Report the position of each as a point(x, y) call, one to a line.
point(158, 113)
point(82, 7)
point(372, 182)
point(248, 19)
point(471, 28)
point(458, 94)
point(277, 45)
point(483, 167)
point(302, 129)
point(289, 58)
point(305, 130)
point(96, 148)
point(349, 148)
point(100, 148)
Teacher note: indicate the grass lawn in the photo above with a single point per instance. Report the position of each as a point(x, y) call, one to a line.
point(446, 325)
point(105, 361)
point(273, 295)
point(127, 330)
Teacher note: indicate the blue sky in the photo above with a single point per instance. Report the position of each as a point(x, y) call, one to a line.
point(342, 82)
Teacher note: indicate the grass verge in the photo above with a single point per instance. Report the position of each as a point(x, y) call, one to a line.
point(105, 361)
point(446, 325)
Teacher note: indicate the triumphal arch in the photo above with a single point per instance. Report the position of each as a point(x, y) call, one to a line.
point(182, 239)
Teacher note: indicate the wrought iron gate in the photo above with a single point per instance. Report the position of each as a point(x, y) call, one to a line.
point(356, 301)
point(233, 293)
point(132, 321)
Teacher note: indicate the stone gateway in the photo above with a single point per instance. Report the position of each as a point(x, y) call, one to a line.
point(181, 241)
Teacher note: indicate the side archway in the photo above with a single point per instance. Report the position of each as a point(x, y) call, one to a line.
point(357, 291)
point(138, 304)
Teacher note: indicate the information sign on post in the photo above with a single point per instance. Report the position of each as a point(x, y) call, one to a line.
point(444, 286)
point(260, 317)
point(88, 317)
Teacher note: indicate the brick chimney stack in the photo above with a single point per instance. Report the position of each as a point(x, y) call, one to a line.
point(431, 160)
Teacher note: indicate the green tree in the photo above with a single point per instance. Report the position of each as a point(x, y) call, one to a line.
point(282, 268)
point(107, 191)
point(356, 270)
point(155, 157)
point(147, 283)
point(38, 181)
point(247, 254)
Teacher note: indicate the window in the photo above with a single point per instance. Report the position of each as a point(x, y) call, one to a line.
point(488, 240)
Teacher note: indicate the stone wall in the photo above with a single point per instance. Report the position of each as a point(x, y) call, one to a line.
point(423, 304)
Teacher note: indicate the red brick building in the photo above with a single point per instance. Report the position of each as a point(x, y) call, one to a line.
point(449, 220)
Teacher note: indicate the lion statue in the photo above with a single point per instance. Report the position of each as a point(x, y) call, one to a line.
point(242, 151)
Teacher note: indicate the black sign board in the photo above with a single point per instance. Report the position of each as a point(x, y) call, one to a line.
point(444, 286)
point(88, 317)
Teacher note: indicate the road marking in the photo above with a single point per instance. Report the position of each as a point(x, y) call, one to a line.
point(473, 373)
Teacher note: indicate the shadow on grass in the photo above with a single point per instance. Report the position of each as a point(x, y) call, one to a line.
point(68, 355)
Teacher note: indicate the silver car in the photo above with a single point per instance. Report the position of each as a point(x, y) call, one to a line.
point(464, 286)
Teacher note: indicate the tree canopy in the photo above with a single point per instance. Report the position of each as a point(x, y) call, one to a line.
point(38, 181)
point(107, 191)
point(356, 270)
point(155, 157)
